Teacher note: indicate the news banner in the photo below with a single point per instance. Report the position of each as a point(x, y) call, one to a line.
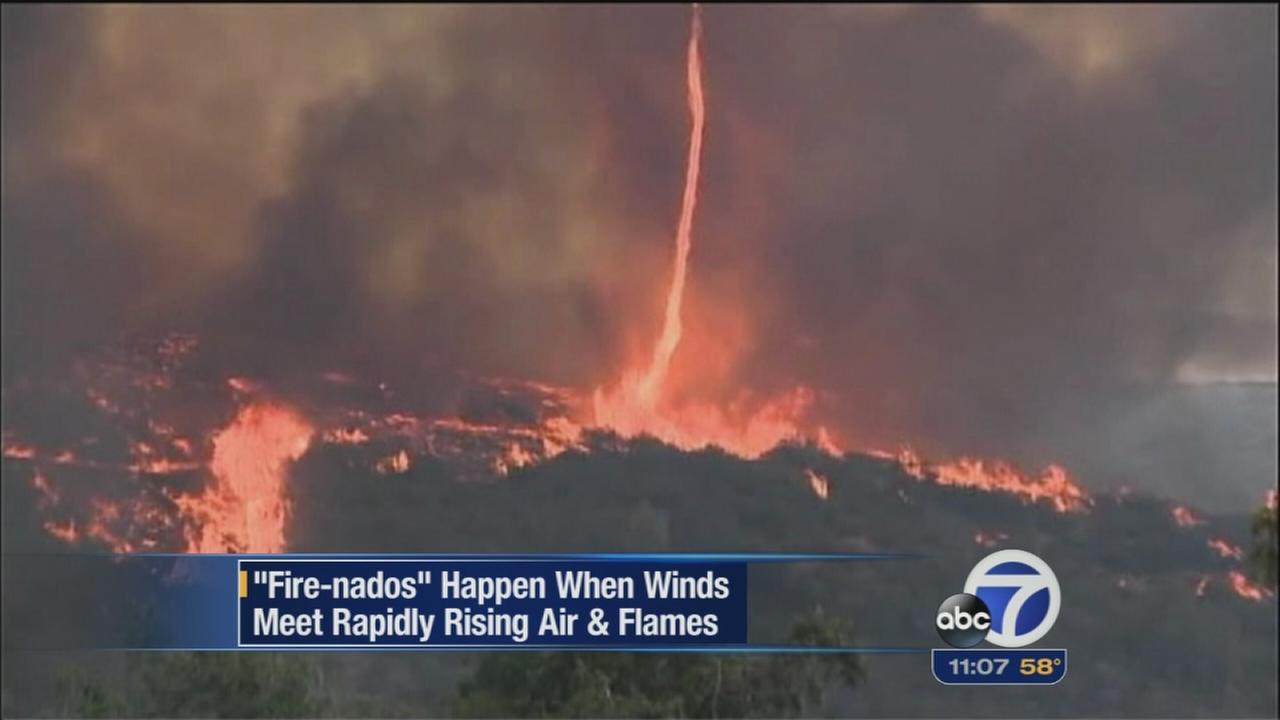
point(588, 602)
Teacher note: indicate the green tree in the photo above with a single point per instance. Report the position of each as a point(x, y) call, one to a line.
point(1263, 555)
point(204, 684)
point(83, 695)
point(607, 684)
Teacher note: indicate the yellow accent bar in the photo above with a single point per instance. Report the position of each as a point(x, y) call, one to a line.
point(244, 583)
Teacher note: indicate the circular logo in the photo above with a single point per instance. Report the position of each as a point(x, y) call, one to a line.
point(1021, 593)
point(963, 620)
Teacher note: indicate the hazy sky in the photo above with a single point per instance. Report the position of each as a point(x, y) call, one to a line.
point(944, 218)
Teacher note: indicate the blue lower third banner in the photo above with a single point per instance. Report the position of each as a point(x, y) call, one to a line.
point(625, 602)
point(300, 602)
point(1024, 666)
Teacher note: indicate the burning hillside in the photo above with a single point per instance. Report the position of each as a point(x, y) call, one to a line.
point(145, 448)
point(155, 447)
point(1136, 584)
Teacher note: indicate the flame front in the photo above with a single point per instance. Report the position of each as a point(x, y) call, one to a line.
point(246, 506)
point(1184, 517)
point(818, 484)
point(1053, 485)
point(1225, 549)
point(1241, 585)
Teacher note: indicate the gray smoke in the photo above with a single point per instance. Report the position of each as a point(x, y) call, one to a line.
point(988, 230)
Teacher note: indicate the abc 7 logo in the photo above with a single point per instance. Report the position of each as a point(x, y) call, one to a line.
point(1011, 599)
point(963, 620)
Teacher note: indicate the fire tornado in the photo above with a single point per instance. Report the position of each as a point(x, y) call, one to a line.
point(653, 379)
point(639, 403)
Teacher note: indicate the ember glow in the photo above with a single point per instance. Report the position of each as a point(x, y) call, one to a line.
point(1225, 549)
point(246, 506)
point(989, 539)
point(818, 484)
point(48, 495)
point(1184, 517)
point(393, 464)
point(346, 436)
point(18, 451)
point(1241, 585)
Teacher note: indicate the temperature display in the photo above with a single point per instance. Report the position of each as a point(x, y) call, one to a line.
point(999, 667)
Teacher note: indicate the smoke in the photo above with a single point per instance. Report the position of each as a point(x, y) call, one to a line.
point(959, 225)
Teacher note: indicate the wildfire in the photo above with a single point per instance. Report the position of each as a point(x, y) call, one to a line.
point(49, 495)
point(1238, 583)
point(346, 436)
point(393, 464)
point(639, 403)
point(65, 531)
point(145, 459)
point(818, 483)
point(1244, 587)
point(1225, 549)
point(246, 506)
point(647, 386)
point(1184, 517)
point(110, 525)
point(18, 451)
point(989, 540)
point(1053, 485)
point(514, 457)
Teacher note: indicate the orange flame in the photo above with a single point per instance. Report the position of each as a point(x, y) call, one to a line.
point(346, 436)
point(396, 463)
point(242, 385)
point(1225, 549)
point(1054, 484)
point(651, 382)
point(1184, 517)
point(49, 495)
point(18, 451)
point(633, 407)
point(1246, 588)
point(639, 403)
point(245, 507)
point(65, 531)
point(818, 483)
point(513, 458)
point(103, 521)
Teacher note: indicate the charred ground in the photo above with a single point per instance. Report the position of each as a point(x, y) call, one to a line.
point(1154, 623)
